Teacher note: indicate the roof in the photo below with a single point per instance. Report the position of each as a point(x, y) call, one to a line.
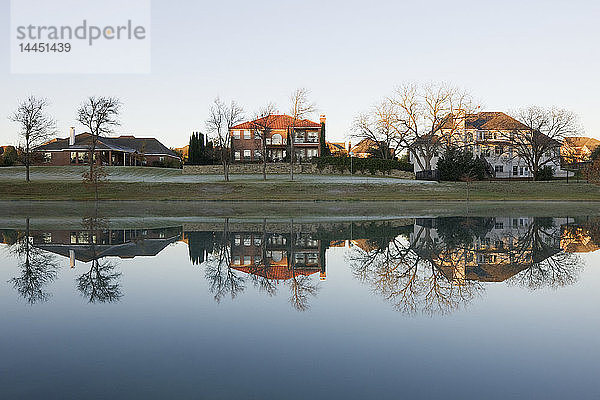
point(488, 120)
point(581, 141)
point(278, 122)
point(128, 144)
point(365, 146)
point(278, 272)
point(336, 146)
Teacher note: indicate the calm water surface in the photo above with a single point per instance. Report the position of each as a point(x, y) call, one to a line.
point(448, 307)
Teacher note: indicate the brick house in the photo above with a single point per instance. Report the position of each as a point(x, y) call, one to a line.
point(121, 150)
point(246, 137)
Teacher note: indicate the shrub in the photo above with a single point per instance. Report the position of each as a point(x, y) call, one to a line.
point(545, 174)
point(370, 165)
point(455, 165)
point(9, 157)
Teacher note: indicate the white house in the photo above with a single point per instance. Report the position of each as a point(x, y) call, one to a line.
point(487, 134)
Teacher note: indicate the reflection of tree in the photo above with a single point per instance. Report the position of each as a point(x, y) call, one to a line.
point(38, 269)
point(101, 283)
point(408, 274)
point(442, 264)
point(223, 280)
point(302, 288)
point(549, 265)
point(227, 280)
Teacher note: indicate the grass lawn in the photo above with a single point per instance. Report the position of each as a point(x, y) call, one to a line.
point(284, 191)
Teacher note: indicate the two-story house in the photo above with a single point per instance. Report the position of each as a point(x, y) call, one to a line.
point(246, 138)
point(490, 135)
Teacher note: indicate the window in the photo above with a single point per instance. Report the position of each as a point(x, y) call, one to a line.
point(47, 237)
point(276, 139)
point(257, 135)
point(515, 170)
point(247, 260)
point(299, 137)
point(247, 154)
point(237, 240)
point(236, 134)
point(487, 152)
point(498, 225)
point(257, 154)
point(313, 137)
point(499, 168)
point(312, 152)
point(247, 240)
point(47, 157)
point(237, 155)
point(247, 134)
point(499, 150)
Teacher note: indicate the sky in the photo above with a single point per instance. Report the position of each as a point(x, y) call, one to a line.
point(349, 54)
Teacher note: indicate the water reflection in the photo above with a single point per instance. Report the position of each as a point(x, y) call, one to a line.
point(423, 265)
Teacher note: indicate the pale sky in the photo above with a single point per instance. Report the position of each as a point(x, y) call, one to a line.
point(347, 53)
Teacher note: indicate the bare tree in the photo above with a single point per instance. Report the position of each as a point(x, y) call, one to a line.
point(35, 126)
point(221, 119)
point(382, 127)
point(300, 109)
point(100, 115)
point(263, 125)
point(428, 118)
point(38, 269)
point(548, 128)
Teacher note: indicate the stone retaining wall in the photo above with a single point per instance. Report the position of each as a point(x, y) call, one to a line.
point(278, 168)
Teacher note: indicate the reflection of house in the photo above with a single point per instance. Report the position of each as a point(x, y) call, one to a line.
point(122, 150)
point(277, 256)
point(508, 247)
point(490, 135)
point(577, 239)
point(88, 245)
point(247, 145)
point(578, 149)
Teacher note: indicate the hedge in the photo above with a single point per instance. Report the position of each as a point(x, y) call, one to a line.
point(370, 165)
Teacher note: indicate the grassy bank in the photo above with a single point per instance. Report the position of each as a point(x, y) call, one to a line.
point(288, 191)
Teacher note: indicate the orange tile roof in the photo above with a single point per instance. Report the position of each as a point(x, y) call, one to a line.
point(278, 122)
point(279, 272)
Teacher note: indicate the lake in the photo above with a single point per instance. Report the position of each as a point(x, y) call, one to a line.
point(495, 304)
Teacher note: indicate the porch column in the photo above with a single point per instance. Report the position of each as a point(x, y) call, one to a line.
point(110, 157)
point(124, 158)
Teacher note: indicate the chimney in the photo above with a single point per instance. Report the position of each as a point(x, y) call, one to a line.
point(72, 136)
point(323, 119)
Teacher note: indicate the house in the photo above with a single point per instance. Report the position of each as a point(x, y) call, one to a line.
point(368, 148)
point(246, 138)
point(121, 150)
point(487, 135)
point(337, 149)
point(578, 149)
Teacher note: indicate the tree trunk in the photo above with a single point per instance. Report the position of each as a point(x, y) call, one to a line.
point(291, 138)
point(264, 155)
point(27, 161)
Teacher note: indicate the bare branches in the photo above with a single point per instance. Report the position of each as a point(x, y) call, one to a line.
point(263, 125)
point(547, 130)
point(300, 108)
point(35, 125)
point(100, 115)
point(420, 119)
point(221, 119)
